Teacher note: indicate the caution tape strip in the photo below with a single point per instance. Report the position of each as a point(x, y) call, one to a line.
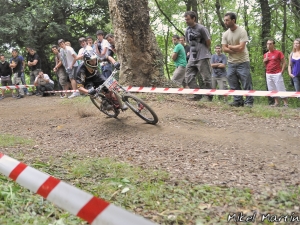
point(82, 204)
point(15, 87)
point(189, 91)
point(213, 92)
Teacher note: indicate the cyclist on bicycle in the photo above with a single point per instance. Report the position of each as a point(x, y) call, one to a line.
point(88, 77)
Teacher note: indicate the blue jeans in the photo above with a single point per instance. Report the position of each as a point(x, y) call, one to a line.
point(239, 74)
point(24, 82)
point(296, 81)
point(106, 70)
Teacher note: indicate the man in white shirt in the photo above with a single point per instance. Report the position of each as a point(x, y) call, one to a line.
point(68, 56)
point(84, 47)
point(102, 50)
point(43, 83)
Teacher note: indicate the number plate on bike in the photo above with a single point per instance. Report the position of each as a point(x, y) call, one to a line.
point(111, 83)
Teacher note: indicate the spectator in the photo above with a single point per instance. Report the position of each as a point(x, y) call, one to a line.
point(102, 50)
point(179, 58)
point(23, 74)
point(68, 43)
point(5, 74)
point(60, 71)
point(218, 63)
point(234, 43)
point(34, 64)
point(275, 64)
point(84, 47)
point(111, 40)
point(90, 41)
point(68, 54)
point(186, 47)
point(43, 83)
point(16, 66)
point(294, 64)
point(199, 62)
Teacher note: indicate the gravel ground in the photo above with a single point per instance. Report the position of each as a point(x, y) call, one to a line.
point(203, 143)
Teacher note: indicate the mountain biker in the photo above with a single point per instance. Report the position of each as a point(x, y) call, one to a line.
point(88, 77)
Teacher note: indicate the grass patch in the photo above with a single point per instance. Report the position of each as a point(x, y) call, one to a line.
point(147, 192)
point(7, 140)
point(259, 110)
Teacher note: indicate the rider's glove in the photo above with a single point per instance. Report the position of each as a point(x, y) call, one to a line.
point(117, 65)
point(91, 91)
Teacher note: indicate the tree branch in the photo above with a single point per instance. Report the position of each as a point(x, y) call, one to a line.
point(168, 19)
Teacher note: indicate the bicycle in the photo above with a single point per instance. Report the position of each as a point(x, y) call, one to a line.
point(118, 95)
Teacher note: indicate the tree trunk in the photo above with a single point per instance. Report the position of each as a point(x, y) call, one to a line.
point(191, 5)
point(137, 50)
point(283, 38)
point(266, 23)
point(220, 17)
point(166, 52)
point(265, 33)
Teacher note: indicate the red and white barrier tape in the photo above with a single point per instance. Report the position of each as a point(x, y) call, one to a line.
point(84, 205)
point(15, 87)
point(189, 91)
point(213, 92)
point(64, 91)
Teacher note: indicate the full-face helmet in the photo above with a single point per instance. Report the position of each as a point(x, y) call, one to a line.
point(90, 59)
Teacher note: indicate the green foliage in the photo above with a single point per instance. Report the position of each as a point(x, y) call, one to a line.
point(249, 16)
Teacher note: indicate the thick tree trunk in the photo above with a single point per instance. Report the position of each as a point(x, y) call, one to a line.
point(137, 50)
point(266, 23)
point(191, 5)
point(283, 38)
point(220, 17)
point(265, 33)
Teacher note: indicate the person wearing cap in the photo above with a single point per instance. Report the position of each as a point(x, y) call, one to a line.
point(16, 65)
point(43, 83)
point(102, 50)
point(68, 56)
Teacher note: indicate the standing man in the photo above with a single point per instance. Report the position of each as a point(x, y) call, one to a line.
point(5, 74)
point(179, 58)
point(68, 55)
point(60, 71)
point(102, 50)
point(199, 40)
point(186, 47)
point(16, 65)
point(238, 73)
point(218, 63)
point(34, 64)
point(275, 64)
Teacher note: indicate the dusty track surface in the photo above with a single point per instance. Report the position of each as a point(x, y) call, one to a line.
point(202, 143)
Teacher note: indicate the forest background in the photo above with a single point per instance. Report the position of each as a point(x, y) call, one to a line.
point(39, 24)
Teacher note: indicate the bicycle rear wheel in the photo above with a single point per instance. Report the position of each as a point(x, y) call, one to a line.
point(140, 108)
point(98, 102)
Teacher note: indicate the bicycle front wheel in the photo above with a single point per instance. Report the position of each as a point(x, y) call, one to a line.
point(140, 108)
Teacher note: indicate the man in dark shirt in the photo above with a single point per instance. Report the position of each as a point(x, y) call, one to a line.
point(186, 47)
point(5, 74)
point(34, 64)
point(16, 65)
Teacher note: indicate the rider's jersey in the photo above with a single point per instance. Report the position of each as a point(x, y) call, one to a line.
point(84, 76)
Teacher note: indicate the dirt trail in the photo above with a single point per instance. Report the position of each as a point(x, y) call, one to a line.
point(201, 143)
